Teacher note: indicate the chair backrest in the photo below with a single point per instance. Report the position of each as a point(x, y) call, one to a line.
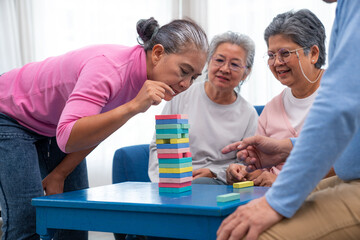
point(131, 164)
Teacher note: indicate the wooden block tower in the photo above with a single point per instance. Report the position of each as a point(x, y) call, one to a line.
point(175, 161)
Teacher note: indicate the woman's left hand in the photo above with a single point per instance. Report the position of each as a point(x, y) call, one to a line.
point(249, 221)
point(203, 172)
point(53, 184)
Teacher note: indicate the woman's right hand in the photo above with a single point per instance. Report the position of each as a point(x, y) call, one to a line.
point(152, 93)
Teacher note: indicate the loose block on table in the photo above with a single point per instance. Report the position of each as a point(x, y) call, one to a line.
point(172, 116)
point(175, 170)
point(175, 165)
point(172, 146)
point(243, 184)
point(228, 197)
point(175, 160)
point(174, 150)
point(175, 190)
point(172, 121)
point(174, 185)
point(176, 180)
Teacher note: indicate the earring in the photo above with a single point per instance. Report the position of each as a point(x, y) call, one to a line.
point(312, 60)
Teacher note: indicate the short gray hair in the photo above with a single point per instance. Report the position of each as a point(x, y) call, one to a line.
point(176, 36)
point(303, 28)
point(238, 39)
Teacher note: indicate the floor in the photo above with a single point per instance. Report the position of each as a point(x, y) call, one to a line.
point(101, 236)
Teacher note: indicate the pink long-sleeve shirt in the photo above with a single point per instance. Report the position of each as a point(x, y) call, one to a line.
point(48, 97)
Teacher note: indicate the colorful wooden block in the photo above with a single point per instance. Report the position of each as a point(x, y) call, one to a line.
point(172, 131)
point(243, 184)
point(175, 170)
point(175, 160)
point(174, 150)
point(162, 141)
point(172, 116)
point(172, 126)
point(172, 121)
point(187, 154)
point(228, 197)
point(175, 190)
point(176, 180)
point(174, 185)
point(175, 165)
point(175, 175)
point(172, 146)
point(179, 140)
point(174, 155)
point(168, 136)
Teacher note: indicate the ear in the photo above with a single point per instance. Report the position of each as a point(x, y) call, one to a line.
point(246, 74)
point(314, 54)
point(157, 53)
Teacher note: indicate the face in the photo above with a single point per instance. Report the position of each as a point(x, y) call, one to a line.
point(289, 73)
point(177, 70)
point(228, 76)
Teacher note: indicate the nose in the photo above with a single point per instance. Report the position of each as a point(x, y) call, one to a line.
point(185, 84)
point(225, 68)
point(277, 61)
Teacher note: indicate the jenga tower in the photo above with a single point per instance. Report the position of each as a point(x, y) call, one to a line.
point(175, 162)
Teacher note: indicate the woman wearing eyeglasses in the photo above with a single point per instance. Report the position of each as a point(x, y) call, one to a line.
point(296, 53)
point(218, 115)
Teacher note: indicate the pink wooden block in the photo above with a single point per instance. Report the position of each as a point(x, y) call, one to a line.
point(175, 180)
point(175, 185)
point(174, 150)
point(170, 155)
point(172, 116)
point(187, 154)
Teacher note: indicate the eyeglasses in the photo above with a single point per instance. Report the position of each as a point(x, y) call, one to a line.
point(283, 55)
point(234, 65)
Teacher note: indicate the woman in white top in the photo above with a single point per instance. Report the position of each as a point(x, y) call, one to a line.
point(218, 115)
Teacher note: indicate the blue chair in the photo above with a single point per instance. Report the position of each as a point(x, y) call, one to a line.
point(131, 163)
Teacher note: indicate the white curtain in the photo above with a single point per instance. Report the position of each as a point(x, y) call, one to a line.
point(33, 30)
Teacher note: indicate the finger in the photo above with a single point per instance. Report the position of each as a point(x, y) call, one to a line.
point(239, 231)
point(253, 233)
point(242, 155)
point(226, 231)
point(229, 148)
point(226, 221)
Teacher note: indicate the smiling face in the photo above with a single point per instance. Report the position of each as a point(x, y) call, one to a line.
point(177, 70)
point(222, 77)
point(289, 73)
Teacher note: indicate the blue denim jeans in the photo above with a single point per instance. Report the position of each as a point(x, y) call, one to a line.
point(25, 159)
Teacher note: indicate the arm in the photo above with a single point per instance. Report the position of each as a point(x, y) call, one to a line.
point(54, 182)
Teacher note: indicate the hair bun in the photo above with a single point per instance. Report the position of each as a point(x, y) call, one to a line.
point(146, 28)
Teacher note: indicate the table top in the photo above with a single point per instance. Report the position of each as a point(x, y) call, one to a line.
point(145, 197)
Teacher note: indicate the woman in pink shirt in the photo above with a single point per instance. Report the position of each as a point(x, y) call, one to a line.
point(53, 113)
point(296, 53)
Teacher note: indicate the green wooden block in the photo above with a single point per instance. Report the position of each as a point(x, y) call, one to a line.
point(172, 131)
point(228, 197)
point(175, 160)
point(175, 165)
point(168, 136)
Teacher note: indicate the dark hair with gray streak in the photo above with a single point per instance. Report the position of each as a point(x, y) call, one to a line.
point(238, 39)
point(177, 36)
point(303, 27)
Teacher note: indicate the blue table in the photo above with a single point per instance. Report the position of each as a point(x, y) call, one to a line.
point(139, 208)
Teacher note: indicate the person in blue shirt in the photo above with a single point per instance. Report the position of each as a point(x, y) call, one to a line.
point(297, 206)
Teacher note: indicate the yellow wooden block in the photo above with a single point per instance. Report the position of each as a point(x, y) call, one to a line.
point(175, 170)
point(179, 140)
point(243, 184)
point(162, 141)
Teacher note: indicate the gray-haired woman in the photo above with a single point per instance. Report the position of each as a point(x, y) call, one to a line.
point(71, 103)
point(218, 114)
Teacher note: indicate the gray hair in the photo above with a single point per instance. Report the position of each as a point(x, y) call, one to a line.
point(238, 39)
point(303, 28)
point(177, 36)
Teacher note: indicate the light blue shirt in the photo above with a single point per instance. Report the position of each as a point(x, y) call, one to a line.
point(331, 133)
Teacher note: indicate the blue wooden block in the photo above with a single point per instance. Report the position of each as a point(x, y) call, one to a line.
point(174, 190)
point(171, 131)
point(176, 145)
point(171, 121)
point(175, 160)
point(175, 175)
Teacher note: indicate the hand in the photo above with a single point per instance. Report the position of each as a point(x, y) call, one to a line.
point(203, 172)
point(151, 93)
point(53, 183)
point(235, 173)
point(248, 220)
point(259, 151)
point(265, 179)
point(250, 176)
